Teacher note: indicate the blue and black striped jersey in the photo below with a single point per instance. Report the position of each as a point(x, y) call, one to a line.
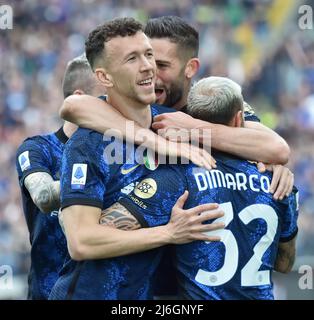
point(48, 244)
point(239, 266)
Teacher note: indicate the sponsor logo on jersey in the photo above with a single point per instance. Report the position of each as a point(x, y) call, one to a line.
point(129, 188)
point(24, 160)
point(138, 202)
point(128, 170)
point(146, 188)
point(79, 174)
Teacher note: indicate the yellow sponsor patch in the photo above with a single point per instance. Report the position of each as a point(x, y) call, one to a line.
point(146, 188)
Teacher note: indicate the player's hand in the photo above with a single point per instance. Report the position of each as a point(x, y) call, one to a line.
point(282, 181)
point(176, 126)
point(198, 156)
point(177, 120)
point(187, 225)
point(176, 134)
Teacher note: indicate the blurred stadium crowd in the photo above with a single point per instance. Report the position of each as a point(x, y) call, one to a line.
point(256, 43)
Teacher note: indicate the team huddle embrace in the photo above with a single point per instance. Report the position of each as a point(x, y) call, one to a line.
point(172, 215)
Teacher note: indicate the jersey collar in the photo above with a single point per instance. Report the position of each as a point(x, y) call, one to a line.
point(61, 135)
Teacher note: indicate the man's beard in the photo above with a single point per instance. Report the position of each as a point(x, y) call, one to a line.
point(174, 94)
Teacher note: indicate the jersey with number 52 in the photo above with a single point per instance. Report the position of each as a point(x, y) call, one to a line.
point(240, 265)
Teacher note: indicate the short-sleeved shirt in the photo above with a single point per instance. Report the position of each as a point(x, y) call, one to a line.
point(96, 171)
point(48, 244)
point(238, 267)
point(165, 277)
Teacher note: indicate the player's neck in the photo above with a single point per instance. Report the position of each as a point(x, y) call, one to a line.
point(132, 110)
point(69, 128)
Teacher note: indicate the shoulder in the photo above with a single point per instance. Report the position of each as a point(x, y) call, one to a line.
point(85, 146)
point(38, 144)
point(85, 132)
point(34, 155)
point(292, 201)
point(249, 113)
point(228, 162)
point(84, 136)
point(34, 141)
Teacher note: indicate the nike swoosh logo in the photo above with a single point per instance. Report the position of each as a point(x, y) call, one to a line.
point(126, 171)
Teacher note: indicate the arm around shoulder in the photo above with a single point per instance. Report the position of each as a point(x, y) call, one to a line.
point(91, 112)
point(276, 148)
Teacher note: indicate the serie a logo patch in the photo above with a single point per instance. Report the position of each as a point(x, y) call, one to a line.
point(79, 174)
point(24, 160)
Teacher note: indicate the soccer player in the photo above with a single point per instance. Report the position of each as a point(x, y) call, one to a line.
point(175, 44)
point(259, 233)
point(121, 56)
point(38, 164)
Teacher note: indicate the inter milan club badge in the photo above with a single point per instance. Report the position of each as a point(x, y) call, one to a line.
point(150, 160)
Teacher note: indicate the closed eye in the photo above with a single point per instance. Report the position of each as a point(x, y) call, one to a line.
point(162, 65)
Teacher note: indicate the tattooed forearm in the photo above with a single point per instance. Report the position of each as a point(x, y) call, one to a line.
point(119, 217)
point(44, 191)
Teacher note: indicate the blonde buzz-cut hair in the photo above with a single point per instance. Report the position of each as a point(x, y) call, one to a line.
point(215, 99)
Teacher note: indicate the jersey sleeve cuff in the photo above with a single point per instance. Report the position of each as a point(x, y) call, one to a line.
point(134, 211)
point(28, 172)
point(83, 202)
point(288, 238)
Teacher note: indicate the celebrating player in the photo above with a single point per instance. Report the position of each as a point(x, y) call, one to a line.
point(38, 165)
point(175, 44)
point(122, 58)
point(260, 232)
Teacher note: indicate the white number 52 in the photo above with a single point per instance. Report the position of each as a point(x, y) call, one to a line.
point(250, 274)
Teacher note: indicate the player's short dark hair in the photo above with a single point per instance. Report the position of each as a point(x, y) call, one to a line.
point(177, 31)
point(78, 75)
point(119, 27)
point(215, 99)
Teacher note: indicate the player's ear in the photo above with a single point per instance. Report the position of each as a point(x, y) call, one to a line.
point(104, 77)
point(238, 119)
point(79, 92)
point(192, 68)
